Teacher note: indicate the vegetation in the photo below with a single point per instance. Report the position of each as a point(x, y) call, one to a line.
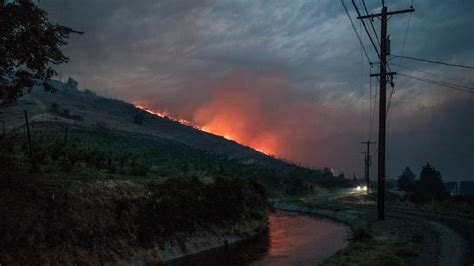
point(430, 186)
point(56, 222)
point(29, 45)
point(360, 233)
point(188, 204)
point(454, 205)
point(406, 181)
point(65, 113)
point(102, 153)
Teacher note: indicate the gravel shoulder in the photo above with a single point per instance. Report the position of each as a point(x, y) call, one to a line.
point(455, 235)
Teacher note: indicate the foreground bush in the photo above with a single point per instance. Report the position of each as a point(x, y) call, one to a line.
point(187, 204)
point(49, 222)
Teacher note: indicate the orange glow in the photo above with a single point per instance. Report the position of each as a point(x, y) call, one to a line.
point(213, 128)
point(160, 114)
point(221, 128)
point(165, 114)
point(264, 144)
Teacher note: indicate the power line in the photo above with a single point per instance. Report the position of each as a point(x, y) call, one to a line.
point(374, 105)
point(440, 83)
point(370, 104)
point(362, 85)
point(433, 62)
point(371, 22)
point(400, 60)
point(392, 92)
point(405, 39)
point(377, 38)
point(355, 30)
point(366, 30)
point(433, 74)
point(452, 84)
point(372, 41)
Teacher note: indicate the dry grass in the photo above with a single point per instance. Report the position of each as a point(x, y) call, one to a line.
point(360, 233)
point(382, 243)
point(53, 222)
point(461, 206)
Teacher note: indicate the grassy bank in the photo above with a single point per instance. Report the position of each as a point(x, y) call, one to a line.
point(389, 242)
point(57, 222)
point(453, 205)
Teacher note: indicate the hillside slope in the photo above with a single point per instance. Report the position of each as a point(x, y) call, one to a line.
point(88, 110)
point(99, 126)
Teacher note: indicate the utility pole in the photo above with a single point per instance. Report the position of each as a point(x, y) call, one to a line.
point(368, 162)
point(383, 102)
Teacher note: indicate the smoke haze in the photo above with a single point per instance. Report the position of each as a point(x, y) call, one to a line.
point(282, 76)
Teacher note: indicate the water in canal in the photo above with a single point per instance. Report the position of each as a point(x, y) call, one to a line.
point(292, 239)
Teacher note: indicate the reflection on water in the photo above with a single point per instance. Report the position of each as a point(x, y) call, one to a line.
point(292, 239)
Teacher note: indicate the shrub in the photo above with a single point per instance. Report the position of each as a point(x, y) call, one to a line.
point(360, 232)
point(138, 169)
point(185, 204)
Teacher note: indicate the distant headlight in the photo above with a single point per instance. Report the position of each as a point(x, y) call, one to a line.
point(365, 187)
point(359, 188)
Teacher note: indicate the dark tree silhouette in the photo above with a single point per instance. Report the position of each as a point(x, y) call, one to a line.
point(29, 47)
point(431, 184)
point(406, 181)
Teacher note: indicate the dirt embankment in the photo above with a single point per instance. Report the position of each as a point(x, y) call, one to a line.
point(106, 222)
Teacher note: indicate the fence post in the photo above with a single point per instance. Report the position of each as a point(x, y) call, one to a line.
point(30, 147)
point(65, 135)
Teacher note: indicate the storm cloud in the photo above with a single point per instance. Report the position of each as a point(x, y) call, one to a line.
point(287, 73)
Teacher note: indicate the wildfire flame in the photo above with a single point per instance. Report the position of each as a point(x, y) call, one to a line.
point(160, 114)
point(164, 114)
point(208, 129)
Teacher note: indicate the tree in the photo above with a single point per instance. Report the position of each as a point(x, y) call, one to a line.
point(431, 184)
point(406, 181)
point(341, 174)
point(29, 47)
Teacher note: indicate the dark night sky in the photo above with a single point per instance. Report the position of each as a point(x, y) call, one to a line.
point(285, 74)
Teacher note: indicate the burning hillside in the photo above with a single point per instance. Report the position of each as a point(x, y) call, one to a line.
point(167, 115)
point(259, 110)
point(220, 131)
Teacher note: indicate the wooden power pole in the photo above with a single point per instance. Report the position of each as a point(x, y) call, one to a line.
point(368, 162)
point(383, 102)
